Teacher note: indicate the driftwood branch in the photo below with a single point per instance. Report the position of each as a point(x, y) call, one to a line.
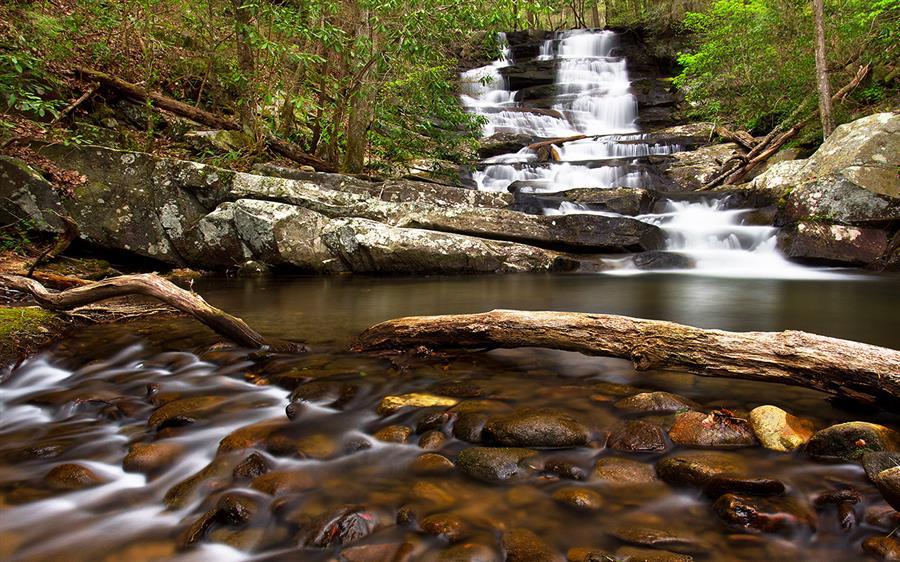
point(149, 285)
point(71, 107)
point(855, 370)
point(201, 116)
point(761, 151)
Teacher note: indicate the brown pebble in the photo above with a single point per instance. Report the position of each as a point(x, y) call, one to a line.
point(446, 526)
point(432, 440)
point(393, 434)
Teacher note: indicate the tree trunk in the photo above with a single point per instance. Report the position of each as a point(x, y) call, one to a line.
point(149, 285)
point(595, 15)
point(356, 134)
point(822, 70)
point(856, 370)
point(247, 103)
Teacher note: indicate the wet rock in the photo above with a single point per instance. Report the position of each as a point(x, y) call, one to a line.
point(698, 469)
point(875, 462)
point(750, 486)
point(493, 465)
point(333, 394)
point(689, 169)
point(832, 244)
point(851, 440)
point(536, 429)
point(883, 548)
point(196, 531)
point(283, 482)
point(342, 526)
point(393, 434)
point(469, 426)
point(460, 389)
point(253, 466)
point(185, 411)
point(468, 552)
point(888, 483)
point(779, 430)
point(718, 429)
point(71, 476)
point(151, 458)
point(438, 496)
point(391, 404)
point(251, 436)
point(581, 499)
point(637, 436)
point(564, 469)
point(434, 421)
point(445, 526)
point(655, 403)
point(432, 440)
point(393, 552)
point(615, 470)
point(768, 515)
point(318, 446)
point(213, 476)
point(522, 545)
point(614, 389)
point(634, 554)
point(882, 516)
point(844, 500)
point(237, 508)
point(432, 463)
point(658, 260)
point(657, 538)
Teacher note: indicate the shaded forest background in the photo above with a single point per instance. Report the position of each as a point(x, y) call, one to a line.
point(372, 85)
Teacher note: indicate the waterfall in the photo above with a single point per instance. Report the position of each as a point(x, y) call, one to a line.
point(591, 95)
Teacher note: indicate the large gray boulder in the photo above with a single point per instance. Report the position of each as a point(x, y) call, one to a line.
point(851, 179)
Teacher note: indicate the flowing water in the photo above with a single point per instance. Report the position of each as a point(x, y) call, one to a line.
point(591, 96)
point(90, 399)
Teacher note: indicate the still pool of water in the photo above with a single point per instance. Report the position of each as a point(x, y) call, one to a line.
point(90, 399)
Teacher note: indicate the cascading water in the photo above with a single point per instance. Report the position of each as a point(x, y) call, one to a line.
point(591, 96)
point(719, 242)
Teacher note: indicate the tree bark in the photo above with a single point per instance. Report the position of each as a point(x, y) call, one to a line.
point(356, 133)
point(154, 286)
point(855, 370)
point(247, 102)
point(822, 70)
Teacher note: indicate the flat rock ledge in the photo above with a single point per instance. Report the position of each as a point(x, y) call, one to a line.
point(184, 213)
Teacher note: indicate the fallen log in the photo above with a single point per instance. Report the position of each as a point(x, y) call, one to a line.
point(855, 370)
point(201, 116)
point(547, 143)
point(149, 285)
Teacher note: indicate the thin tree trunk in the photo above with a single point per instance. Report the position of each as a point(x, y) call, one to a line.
point(246, 108)
point(357, 138)
point(595, 15)
point(822, 70)
point(150, 285)
point(855, 370)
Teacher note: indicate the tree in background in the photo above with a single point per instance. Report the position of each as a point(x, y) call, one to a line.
point(754, 63)
point(822, 70)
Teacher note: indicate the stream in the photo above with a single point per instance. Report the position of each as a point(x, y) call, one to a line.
point(154, 441)
point(91, 399)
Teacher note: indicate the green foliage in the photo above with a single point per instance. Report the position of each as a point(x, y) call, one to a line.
point(16, 237)
point(754, 64)
point(24, 85)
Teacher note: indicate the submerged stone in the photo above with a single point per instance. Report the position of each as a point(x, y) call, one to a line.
point(851, 440)
point(494, 464)
point(391, 404)
point(769, 515)
point(655, 403)
point(536, 429)
point(717, 429)
point(637, 436)
point(579, 498)
point(698, 469)
point(615, 470)
point(522, 545)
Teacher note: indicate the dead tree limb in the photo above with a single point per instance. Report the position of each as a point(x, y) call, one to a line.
point(855, 370)
point(201, 116)
point(72, 106)
point(544, 144)
point(149, 285)
point(769, 145)
point(69, 234)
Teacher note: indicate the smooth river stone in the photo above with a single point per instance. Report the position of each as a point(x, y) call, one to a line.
point(536, 429)
point(655, 403)
point(522, 545)
point(851, 440)
point(637, 436)
point(713, 430)
point(698, 469)
point(391, 404)
point(494, 464)
point(615, 470)
point(778, 430)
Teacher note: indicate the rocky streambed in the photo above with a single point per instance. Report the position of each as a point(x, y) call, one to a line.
point(152, 442)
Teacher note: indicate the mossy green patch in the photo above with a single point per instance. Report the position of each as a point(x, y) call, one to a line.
point(24, 329)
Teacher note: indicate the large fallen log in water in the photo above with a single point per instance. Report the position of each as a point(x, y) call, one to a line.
point(149, 285)
point(855, 370)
